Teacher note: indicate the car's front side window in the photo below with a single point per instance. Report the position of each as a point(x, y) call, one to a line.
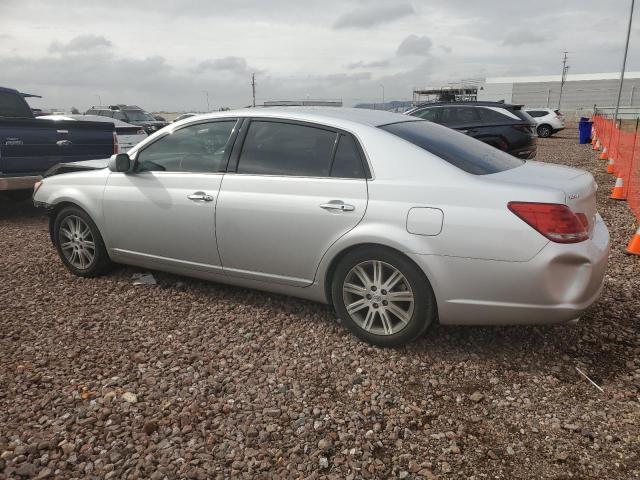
point(278, 148)
point(195, 148)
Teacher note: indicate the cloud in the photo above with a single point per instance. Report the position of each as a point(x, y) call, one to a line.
point(374, 64)
point(367, 17)
point(236, 65)
point(81, 43)
point(522, 37)
point(415, 45)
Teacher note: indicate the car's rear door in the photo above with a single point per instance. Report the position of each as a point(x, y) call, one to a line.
point(164, 212)
point(292, 190)
point(84, 140)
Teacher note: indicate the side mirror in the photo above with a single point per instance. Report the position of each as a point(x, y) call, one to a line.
point(120, 162)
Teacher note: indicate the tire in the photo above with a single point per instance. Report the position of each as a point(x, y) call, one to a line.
point(374, 315)
point(74, 231)
point(544, 131)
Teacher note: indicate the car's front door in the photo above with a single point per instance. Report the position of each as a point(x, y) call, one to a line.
point(164, 211)
point(294, 190)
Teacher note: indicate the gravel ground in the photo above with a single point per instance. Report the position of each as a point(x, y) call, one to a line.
point(188, 379)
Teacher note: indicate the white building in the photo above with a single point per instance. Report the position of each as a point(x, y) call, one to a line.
point(581, 91)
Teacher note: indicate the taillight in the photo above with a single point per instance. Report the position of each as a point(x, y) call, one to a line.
point(116, 147)
point(555, 221)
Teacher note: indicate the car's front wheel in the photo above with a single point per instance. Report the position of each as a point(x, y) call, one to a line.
point(544, 131)
point(382, 297)
point(79, 243)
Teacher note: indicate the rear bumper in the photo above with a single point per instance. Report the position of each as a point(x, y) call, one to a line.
point(556, 286)
point(18, 183)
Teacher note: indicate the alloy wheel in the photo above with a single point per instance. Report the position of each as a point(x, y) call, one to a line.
point(378, 297)
point(77, 242)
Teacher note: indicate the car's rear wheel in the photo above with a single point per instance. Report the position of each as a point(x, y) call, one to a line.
point(382, 297)
point(544, 131)
point(79, 243)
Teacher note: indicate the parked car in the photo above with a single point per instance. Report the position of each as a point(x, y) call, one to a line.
point(501, 125)
point(183, 116)
point(548, 121)
point(128, 135)
point(396, 221)
point(30, 145)
point(129, 113)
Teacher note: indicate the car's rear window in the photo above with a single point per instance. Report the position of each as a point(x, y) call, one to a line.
point(454, 147)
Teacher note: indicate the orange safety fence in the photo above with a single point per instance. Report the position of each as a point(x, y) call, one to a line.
point(621, 148)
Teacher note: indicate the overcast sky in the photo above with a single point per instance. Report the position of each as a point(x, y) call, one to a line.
point(162, 54)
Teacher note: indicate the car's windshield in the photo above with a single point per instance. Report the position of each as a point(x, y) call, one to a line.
point(139, 116)
point(458, 149)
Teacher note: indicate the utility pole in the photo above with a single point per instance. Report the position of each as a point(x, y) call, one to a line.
point(565, 69)
point(253, 87)
point(382, 87)
point(624, 63)
point(207, 95)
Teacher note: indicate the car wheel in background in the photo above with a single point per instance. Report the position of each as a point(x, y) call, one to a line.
point(544, 131)
point(382, 297)
point(79, 243)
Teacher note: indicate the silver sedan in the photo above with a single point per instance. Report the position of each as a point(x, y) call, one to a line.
point(395, 221)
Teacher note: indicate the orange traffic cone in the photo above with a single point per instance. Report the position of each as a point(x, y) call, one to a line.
point(603, 155)
point(593, 139)
point(634, 244)
point(618, 190)
point(597, 145)
point(611, 168)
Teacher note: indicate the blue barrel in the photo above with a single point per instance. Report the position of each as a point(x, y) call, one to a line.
point(584, 130)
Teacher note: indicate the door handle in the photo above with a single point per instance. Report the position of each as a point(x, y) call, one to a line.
point(338, 205)
point(64, 143)
point(200, 197)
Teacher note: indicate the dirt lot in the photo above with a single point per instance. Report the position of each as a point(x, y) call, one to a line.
point(187, 379)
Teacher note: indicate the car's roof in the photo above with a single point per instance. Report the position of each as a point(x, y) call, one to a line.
point(469, 104)
point(89, 118)
point(333, 115)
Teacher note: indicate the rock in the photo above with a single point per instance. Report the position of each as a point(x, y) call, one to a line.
point(323, 462)
point(130, 397)
point(44, 473)
point(403, 474)
point(272, 412)
point(561, 456)
point(571, 426)
point(510, 450)
point(476, 397)
point(26, 470)
point(325, 444)
point(150, 427)
point(445, 467)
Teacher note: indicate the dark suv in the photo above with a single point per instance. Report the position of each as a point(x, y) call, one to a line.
point(129, 113)
point(506, 127)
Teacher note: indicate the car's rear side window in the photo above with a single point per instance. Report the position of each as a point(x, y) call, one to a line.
point(347, 162)
point(11, 105)
point(278, 148)
point(489, 115)
point(456, 148)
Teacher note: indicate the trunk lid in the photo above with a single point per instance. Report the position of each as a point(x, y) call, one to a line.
point(578, 186)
